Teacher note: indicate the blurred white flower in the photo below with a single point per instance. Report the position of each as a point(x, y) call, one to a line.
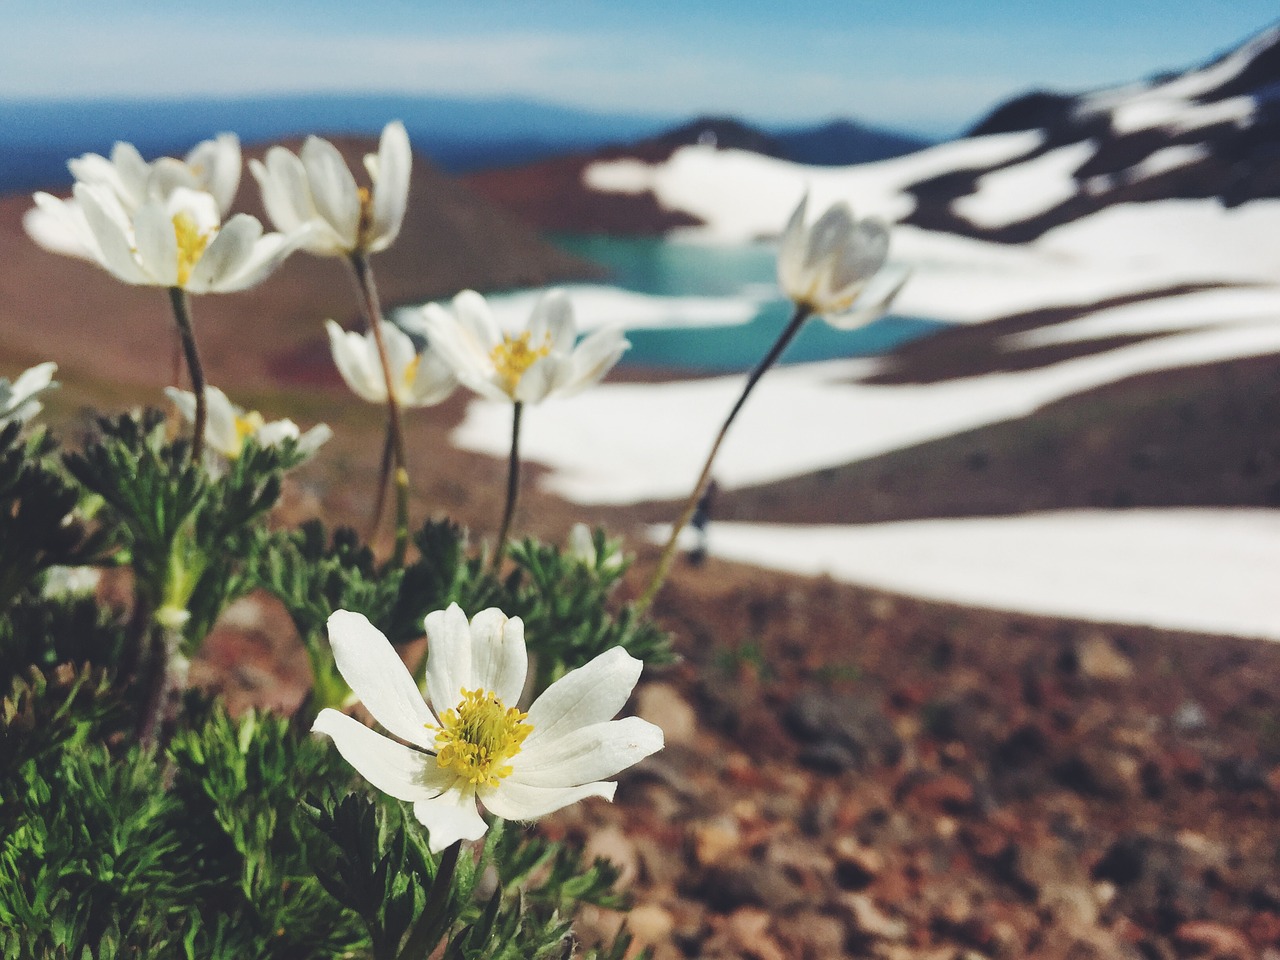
point(316, 188)
point(229, 426)
point(418, 379)
point(472, 743)
point(828, 266)
point(173, 241)
point(582, 546)
point(212, 166)
point(71, 581)
point(542, 361)
point(18, 399)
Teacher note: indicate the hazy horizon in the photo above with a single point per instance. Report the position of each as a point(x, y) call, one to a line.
point(930, 69)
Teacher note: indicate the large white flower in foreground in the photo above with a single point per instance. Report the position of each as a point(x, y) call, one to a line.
point(418, 379)
point(228, 426)
point(527, 367)
point(828, 266)
point(176, 241)
point(316, 188)
point(212, 166)
point(18, 399)
point(472, 743)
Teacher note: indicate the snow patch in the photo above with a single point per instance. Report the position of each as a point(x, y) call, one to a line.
point(1025, 190)
point(1209, 570)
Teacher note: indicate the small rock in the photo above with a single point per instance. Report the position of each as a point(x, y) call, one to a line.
point(615, 846)
point(870, 921)
point(715, 840)
point(661, 704)
point(1214, 940)
point(856, 866)
point(946, 791)
point(1190, 718)
point(650, 923)
point(811, 935)
point(1098, 659)
point(750, 931)
point(743, 883)
point(841, 732)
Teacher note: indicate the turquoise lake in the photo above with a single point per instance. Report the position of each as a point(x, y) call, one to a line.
point(664, 268)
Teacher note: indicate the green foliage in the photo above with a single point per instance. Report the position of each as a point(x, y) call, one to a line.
point(37, 528)
point(192, 538)
point(564, 603)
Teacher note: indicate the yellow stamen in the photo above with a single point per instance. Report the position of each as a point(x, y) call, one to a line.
point(247, 425)
point(411, 372)
point(476, 739)
point(513, 356)
point(191, 244)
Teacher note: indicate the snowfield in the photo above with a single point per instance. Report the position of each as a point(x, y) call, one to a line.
point(1209, 570)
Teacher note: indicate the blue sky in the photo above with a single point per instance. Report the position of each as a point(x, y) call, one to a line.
point(929, 66)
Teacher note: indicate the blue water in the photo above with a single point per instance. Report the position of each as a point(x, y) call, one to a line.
point(665, 268)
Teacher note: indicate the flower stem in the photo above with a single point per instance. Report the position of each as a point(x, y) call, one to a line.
point(182, 314)
point(384, 477)
point(373, 313)
point(798, 318)
point(513, 486)
point(425, 935)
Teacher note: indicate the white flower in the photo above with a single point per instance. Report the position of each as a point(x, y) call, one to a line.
point(18, 399)
point(582, 546)
point(316, 188)
point(527, 367)
point(212, 166)
point(472, 743)
point(419, 379)
point(228, 426)
point(69, 582)
point(828, 266)
point(174, 241)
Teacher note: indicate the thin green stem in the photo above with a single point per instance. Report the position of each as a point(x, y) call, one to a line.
point(425, 933)
point(182, 314)
point(513, 486)
point(373, 314)
point(384, 477)
point(798, 318)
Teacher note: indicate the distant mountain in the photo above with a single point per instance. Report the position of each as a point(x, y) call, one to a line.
point(1038, 161)
point(552, 195)
point(1210, 131)
point(842, 142)
point(457, 134)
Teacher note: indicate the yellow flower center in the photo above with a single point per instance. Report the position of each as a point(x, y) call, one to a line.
point(411, 371)
point(191, 244)
point(514, 355)
point(476, 739)
point(365, 225)
point(247, 424)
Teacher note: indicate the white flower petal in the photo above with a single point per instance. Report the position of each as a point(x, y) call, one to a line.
point(333, 188)
point(520, 801)
point(351, 355)
point(391, 189)
point(537, 383)
point(450, 817)
point(393, 768)
point(475, 317)
point(217, 166)
point(110, 233)
point(448, 657)
point(157, 243)
point(59, 226)
point(554, 312)
point(589, 753)
point(499, 661)
point(265, 257)
point(226, 256)
point(314, 439)
point(282, 181)
point(594, 357)
point(375, 673)
point(433, 381)
point(591, 694)
point(220, 423)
